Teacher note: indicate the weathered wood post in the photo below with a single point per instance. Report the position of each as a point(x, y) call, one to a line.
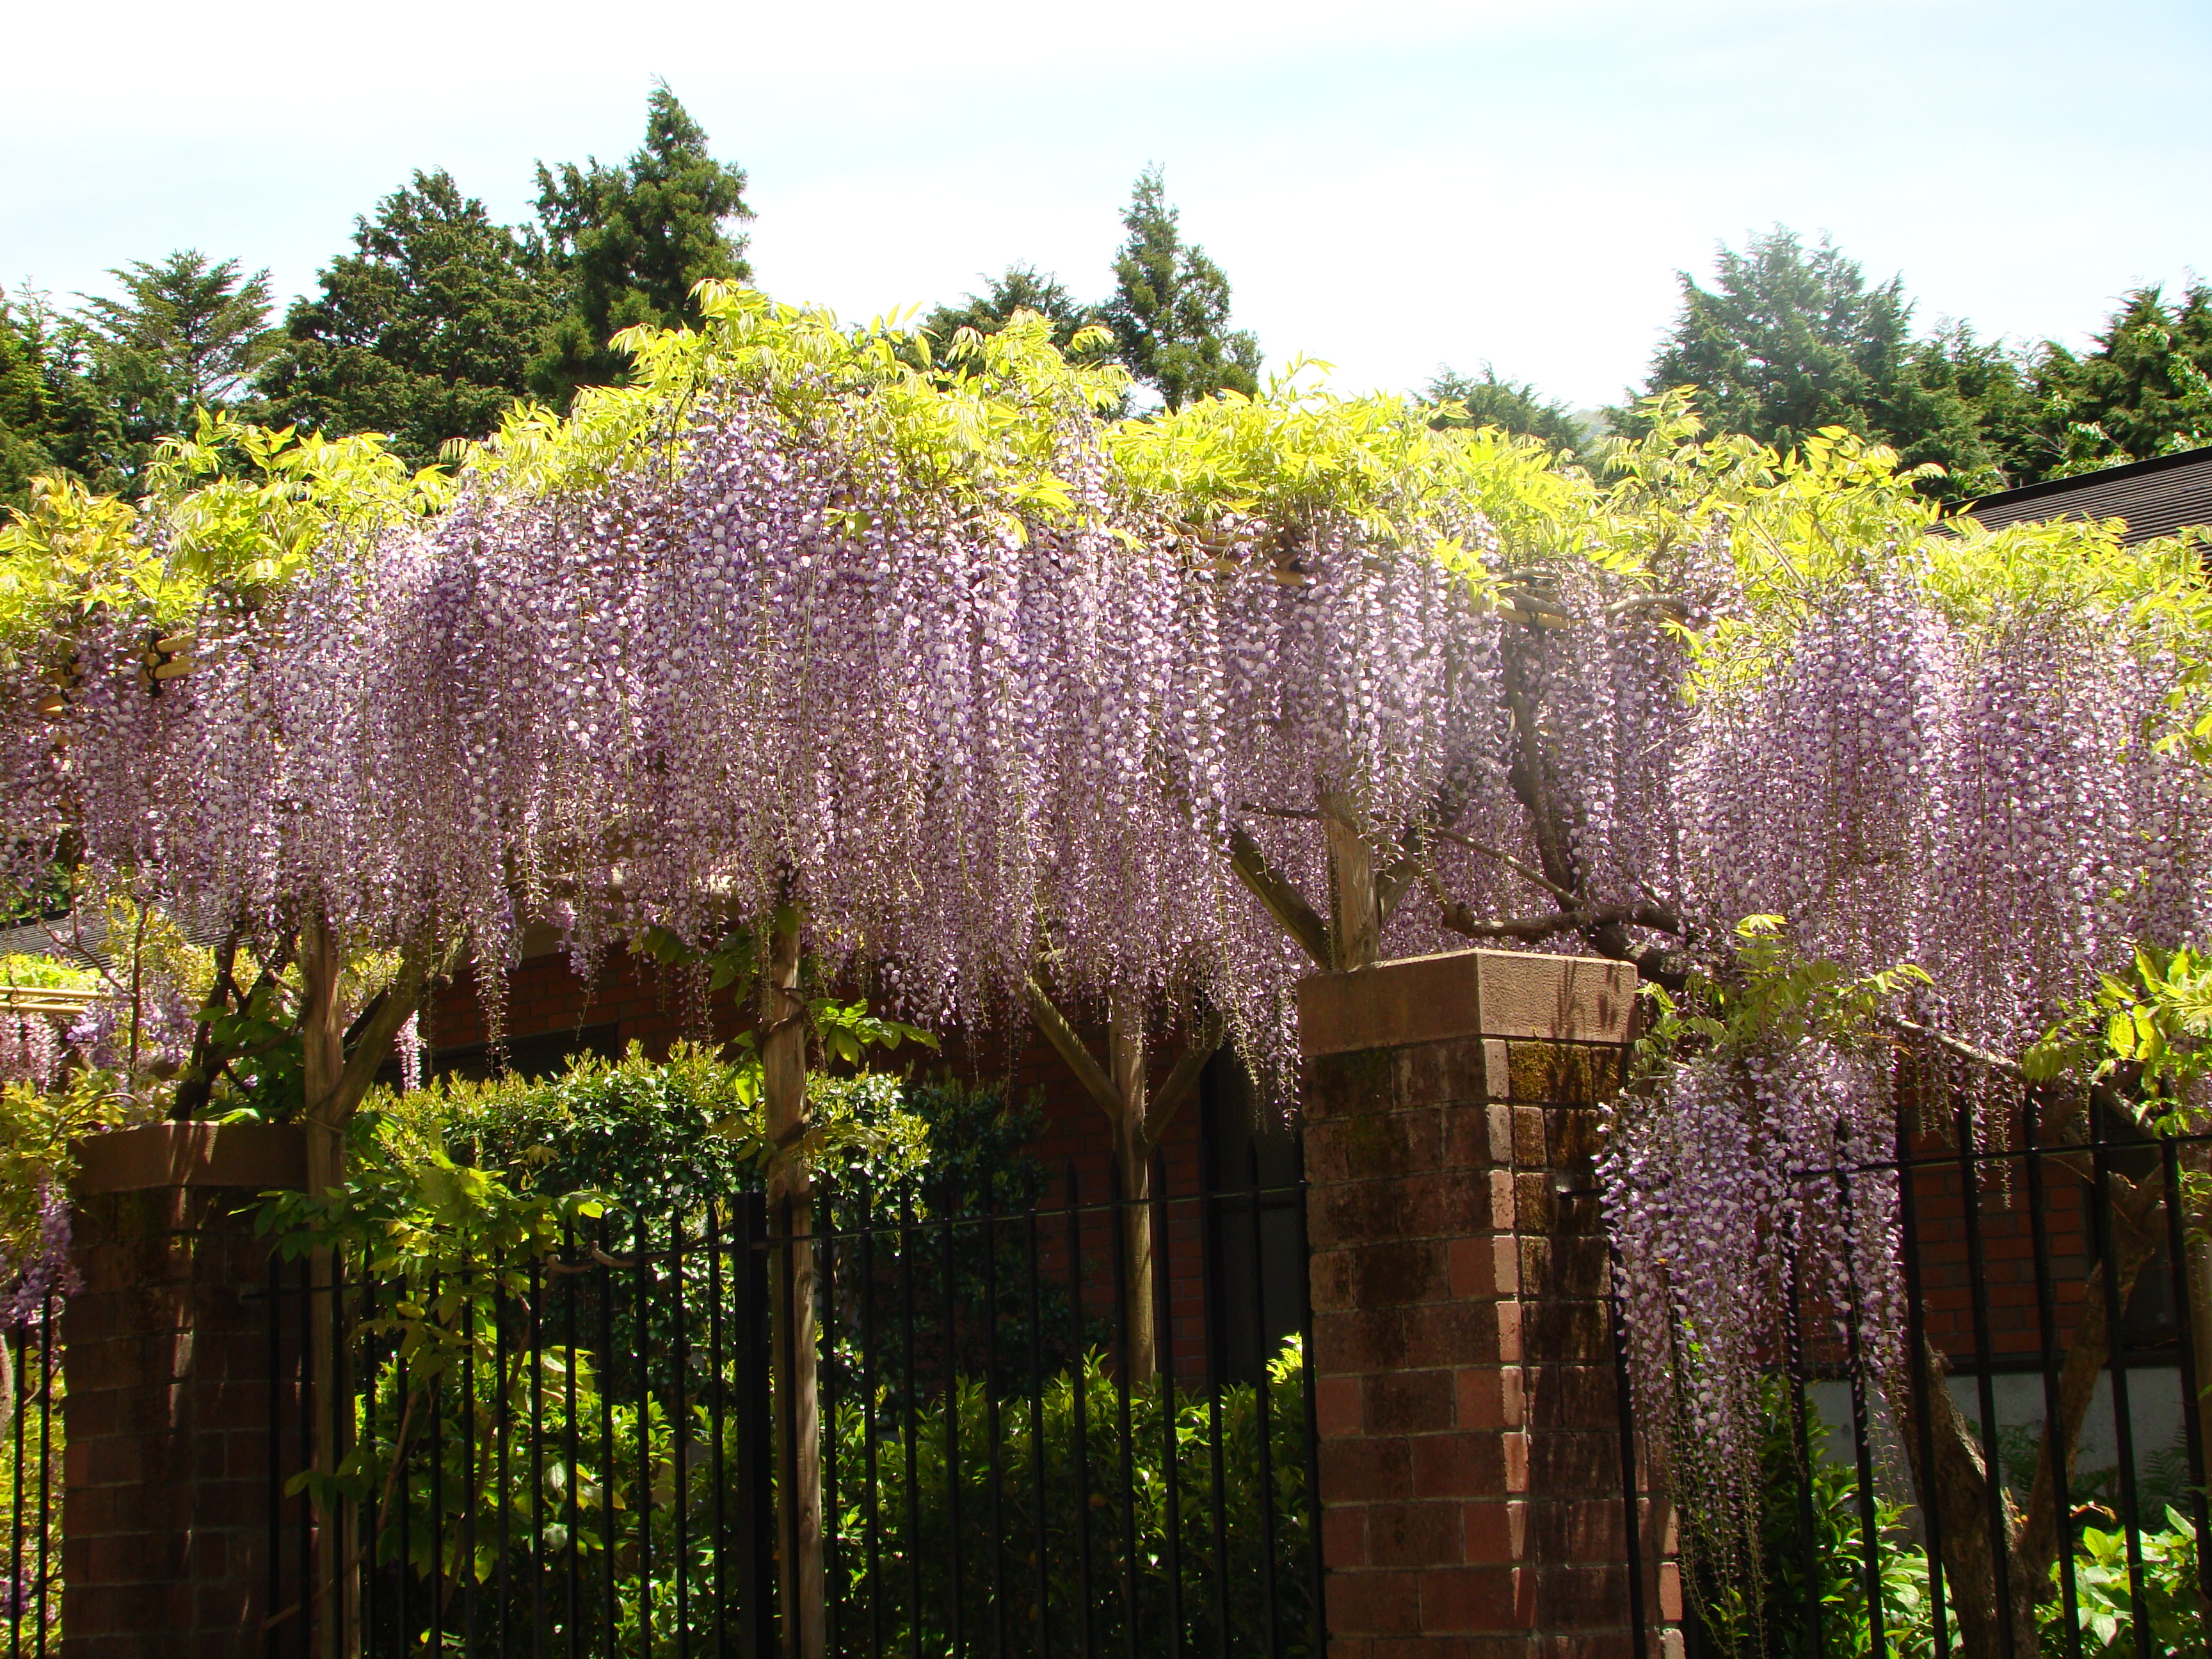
point(1470, 1459)
point(165, 1505)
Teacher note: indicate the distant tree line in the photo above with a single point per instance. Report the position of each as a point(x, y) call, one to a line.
point(439, 319)
point(434, 323)
point(1788, 339)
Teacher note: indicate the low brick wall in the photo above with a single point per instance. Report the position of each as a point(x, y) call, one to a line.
point(1470, 1453)
point(165, 1510)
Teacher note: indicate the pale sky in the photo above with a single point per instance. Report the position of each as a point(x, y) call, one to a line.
point(1389, 186)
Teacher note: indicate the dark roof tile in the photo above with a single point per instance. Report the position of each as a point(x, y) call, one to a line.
point(2156, 498)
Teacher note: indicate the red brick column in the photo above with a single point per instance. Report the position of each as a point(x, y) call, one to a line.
point(1470, 1452)
point(165, 1503)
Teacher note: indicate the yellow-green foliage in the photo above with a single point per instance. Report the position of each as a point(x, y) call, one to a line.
point(234, 507)
point(984, 420)
point(1297, 451)
point(35, 1131)
point(45, 973)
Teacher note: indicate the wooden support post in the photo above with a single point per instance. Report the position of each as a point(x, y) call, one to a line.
point(797, 1403)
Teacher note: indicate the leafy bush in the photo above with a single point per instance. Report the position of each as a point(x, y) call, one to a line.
point(2104, 1597)
point(1774, 1620)
point(1122, 1538)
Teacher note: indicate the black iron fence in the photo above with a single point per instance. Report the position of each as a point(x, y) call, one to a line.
point(1086, 1429)
point(2031, 1479)
point(1036, 1433)
point(31, 1445)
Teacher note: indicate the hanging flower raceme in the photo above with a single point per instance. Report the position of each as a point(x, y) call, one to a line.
point(1738, 1197)
point(28, 1285)
point(29, 1051)
point(1974, 789)
point(971, 719)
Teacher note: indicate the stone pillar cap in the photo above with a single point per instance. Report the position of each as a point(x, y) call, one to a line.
point(1466, 994)
point(255, 1155)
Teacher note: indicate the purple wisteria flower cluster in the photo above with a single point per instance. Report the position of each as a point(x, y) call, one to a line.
point(966, 737)
point(45, 1273)
point(30, 1053)
point(1980, 797)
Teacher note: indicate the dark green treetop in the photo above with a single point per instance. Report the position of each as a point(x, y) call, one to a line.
point(1169, 312)
point(631, 242)
point(1020, 288)
point(1990, 384)
point(202, 327)
point(1790, 340)
point(184, 333)
point(425, 332)
point(27, 413)
point(1515, 407)
point(55, 413)
point(2144, 390)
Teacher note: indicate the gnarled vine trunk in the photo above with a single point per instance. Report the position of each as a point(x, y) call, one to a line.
point(1138, 1116)
point(336, 1079)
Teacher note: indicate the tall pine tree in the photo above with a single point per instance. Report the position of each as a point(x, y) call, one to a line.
point(630, 242)
point(200, 326)
point(425, 331)
point(1462, 400)
point(186, 333)
point(1021, 288)
point(56, 416)
point(1169, 312)
point(27, 420)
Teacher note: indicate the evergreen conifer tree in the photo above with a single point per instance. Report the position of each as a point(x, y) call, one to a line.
point(1169, 312)
point(1790, 340)
point(2144, 390)
point(186, 333)
point(632, 241)
point(1020, 288)
point(425, 331)
point(1488, 401)
point(26, 416)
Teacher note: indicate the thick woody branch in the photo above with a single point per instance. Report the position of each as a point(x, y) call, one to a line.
point(379, 1024)
point(1952, 1046)
point(1069, 1047)
point(1517, 866)
point(1398, 878)
point(2087, 1355)
point(1282, 900)
point(1461, 920)
point(1356, 902)
point(1528, 776)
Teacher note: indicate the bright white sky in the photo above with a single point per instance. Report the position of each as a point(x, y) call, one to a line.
point(1389, 186)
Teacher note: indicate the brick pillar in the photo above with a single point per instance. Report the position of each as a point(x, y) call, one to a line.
point(1470, 1453)
point(165, 1510)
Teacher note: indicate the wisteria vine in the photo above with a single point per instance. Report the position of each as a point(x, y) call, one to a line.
point(969, 719)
